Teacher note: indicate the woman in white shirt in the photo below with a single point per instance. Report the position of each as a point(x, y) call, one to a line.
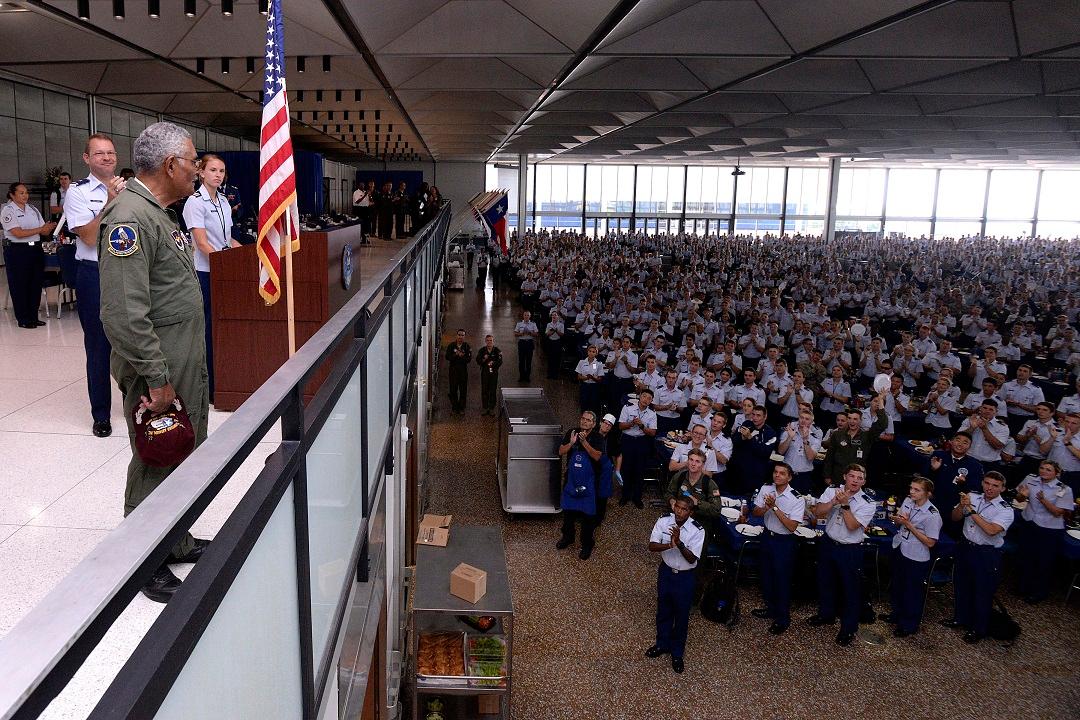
point(23, 228)
point(208, 216)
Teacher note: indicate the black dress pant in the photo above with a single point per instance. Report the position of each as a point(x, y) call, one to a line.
point(25, 271)
point(459, 387)
point(588, 524)
point(489, 384)
point(525, 358)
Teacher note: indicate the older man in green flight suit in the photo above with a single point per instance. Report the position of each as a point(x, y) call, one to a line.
point(151, 309)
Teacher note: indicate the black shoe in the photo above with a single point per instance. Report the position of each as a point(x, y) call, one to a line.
point(28, 326)
point(818, 621)
point(971, 637)
point(103, 428)
point(1032, 600)
point(655, 652)
point(952, 624)
point(162, 585)
point(39, 323)
point(887, 617)
point(585, 554)
point(901, 633)
point(762, 613)
point(777, 629)
point(623, 501)
point(677, 664)
point(844, 639)
point(193, 554)
point(563, 544)
point(639, 505)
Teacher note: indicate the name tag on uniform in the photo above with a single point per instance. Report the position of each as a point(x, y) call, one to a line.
point(858, 454)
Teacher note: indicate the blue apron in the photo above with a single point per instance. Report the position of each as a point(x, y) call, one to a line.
point(579, 492)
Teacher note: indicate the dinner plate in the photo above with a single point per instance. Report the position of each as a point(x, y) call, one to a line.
point(805, 532)
point(1074, 533)
point(882, 383)
point(858, 329)
point(749, 530)
point(730, 502)
point(918, 443)
point(730, 513)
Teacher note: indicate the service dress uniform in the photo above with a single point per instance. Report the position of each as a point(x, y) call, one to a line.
point(526, 343)
point(978, 563)
point(637, 448)
point(24, 259)
point(489, 361)
point(459, 354)
point(214, 217)
point(151, 310)
point(840, 560)
point(85, 200)
point(911, 563)
point(778, 551)
point(1044, 535)
point(675, 583)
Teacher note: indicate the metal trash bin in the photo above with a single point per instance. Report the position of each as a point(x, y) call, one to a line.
point(528, 465)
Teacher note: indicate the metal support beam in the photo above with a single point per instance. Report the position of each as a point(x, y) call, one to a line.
point(523, 189)
point(830, 207)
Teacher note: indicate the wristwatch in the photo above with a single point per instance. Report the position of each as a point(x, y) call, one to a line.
point(845, 507)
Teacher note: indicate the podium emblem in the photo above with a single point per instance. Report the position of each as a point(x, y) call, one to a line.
point(346, 267)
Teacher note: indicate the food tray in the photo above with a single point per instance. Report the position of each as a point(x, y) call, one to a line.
point(431, 679)
point(485, 660)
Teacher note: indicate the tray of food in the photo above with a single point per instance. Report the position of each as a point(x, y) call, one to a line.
point(485, 660)
point(440, 659)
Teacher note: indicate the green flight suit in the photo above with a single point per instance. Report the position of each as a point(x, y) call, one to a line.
point(152, 312)
point(845, 450)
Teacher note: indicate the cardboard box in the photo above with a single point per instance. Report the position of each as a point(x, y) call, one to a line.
point(488, 704)
point(434, 530)
point(468, 583)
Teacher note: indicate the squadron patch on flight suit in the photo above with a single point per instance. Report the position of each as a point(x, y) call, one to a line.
point(123, 241)
point(180, 240)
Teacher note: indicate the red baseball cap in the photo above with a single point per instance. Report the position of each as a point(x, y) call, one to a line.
point(164, 439)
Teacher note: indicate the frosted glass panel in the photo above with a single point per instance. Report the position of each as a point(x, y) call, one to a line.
point(378, 397)
point(247, 662)
point(1012, 195)
point(335, 507)
point(399, 345)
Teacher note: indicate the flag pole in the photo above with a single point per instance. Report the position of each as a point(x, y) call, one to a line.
point(288, 282)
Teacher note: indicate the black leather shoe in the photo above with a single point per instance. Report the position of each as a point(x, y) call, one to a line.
point(901, 633)
point(762, 613)
point(971, 637)
point(28, 326)
point(623, 501)
point(193, 554)
point(777, 629)
point(951, 624)
point(103, 429)
point(563, 544)
point(818, 621)
point(844, 639)
point(39, 323)
point(677, 664)
point(162, 585)
point(639, 505)
point(886, 617)
point(655, 652)
point(585, 554)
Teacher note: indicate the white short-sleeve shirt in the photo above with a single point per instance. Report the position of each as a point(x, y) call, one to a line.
point(84, 202)
point(212, 216)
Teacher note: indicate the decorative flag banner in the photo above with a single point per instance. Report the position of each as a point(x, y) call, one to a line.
point(490, 209)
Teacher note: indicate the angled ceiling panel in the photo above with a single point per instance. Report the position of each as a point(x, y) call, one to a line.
point(808, 24)
point(569, 21)
point(460, 27)
point(638, 73)
point(746, 30)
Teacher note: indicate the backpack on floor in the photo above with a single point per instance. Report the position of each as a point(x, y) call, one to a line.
point(720, 601)
point(1002, 627)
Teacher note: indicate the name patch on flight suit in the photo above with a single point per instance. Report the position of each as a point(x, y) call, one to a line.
point(123, 241)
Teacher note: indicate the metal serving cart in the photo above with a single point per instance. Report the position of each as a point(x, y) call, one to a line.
point(435, 610)
point(528, 465)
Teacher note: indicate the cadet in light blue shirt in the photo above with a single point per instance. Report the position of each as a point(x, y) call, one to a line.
point(1049, 502)
point(918, 529)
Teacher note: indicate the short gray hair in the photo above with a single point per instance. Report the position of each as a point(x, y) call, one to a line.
point(155, 143)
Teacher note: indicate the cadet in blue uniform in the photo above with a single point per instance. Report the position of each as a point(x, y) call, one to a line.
point(1049, 502)
point(209, 220)
point(82, 205)
point(986, 517)
point(918, 528)
point(459, 355)
point(582, 447)
point(679, 539)
point(23, 229)
point(525, 331)
point(638, 425)
point(840, 552)
point(755, 441)
point(783, 509)
point(953, 472)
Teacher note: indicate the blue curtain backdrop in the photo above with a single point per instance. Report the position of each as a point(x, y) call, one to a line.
point(243, 172)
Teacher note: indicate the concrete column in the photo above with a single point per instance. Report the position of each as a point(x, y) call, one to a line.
point(830, 210)
point(523, 190)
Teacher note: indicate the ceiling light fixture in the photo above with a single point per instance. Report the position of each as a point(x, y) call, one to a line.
point(226, 8)
point(301, 63)
point(200, 66)
point(83, 9)
point(153, 8)
point(326, 63)
point(251, 65)
point(189, 8)
point(118, 9)
point(224, 66)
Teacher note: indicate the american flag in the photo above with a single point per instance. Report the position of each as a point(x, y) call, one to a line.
point(277, 175)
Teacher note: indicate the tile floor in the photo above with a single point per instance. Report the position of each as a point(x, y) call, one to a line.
point(63, 488)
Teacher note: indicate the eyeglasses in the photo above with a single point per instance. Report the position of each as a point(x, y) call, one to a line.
point(193, 161)
point(103, 153)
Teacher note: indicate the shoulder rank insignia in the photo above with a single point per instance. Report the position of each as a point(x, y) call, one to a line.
point(697, 524)
point(82, 182)
point(933, 509)
point(123, 241)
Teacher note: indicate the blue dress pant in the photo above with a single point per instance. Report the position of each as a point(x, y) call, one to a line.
point(204, 285)
point(25, 265)
point(525, 358)
point(777, 565)
point(839, 567)
point(908, 590)
point(674, 597)
point(98, 349)
point(635, 451)
point(1039, 549)
point(978, 571)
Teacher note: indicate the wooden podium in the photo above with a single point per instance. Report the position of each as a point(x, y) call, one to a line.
point(250, 337)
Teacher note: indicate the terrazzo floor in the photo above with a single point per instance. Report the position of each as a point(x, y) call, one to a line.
point(582, 626)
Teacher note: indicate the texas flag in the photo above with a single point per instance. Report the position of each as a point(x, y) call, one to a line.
point(494, 212)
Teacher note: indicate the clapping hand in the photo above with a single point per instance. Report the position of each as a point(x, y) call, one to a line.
point(965, 501)
point(675, 535)
point(902, 520)
point(935, 463)
point(841, 497)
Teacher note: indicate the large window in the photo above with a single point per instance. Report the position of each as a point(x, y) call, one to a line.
point(709, 190)
point(1059, 199)
point(807, 191)
point(760, 191)
point(961, 194)
point(659, 190)
point(911, 193)
point(860, 192)
point(1012, 195)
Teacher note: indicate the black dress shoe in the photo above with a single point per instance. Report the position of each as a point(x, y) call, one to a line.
point(39, 323)
point(971, 637)
point(818, 621)
point(162, 585)
point(193, 554)
point(677, 664)
point(952, 624)
point(887, 617)
point(639, 505)
point(28, 326)
point(655, 652)
point(103, 428)
point(563, 544)
point(762, 613)
point(901, 633)
point(844, 639)
point(585, 554)
point(777, 629)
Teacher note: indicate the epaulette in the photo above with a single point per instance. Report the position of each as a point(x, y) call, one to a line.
point(84, 181)
point(198, 193)
point(795, 492)
point(869, 494)
point(696, 524)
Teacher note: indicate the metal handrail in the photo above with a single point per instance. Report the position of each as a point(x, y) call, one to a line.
point(57, 635)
